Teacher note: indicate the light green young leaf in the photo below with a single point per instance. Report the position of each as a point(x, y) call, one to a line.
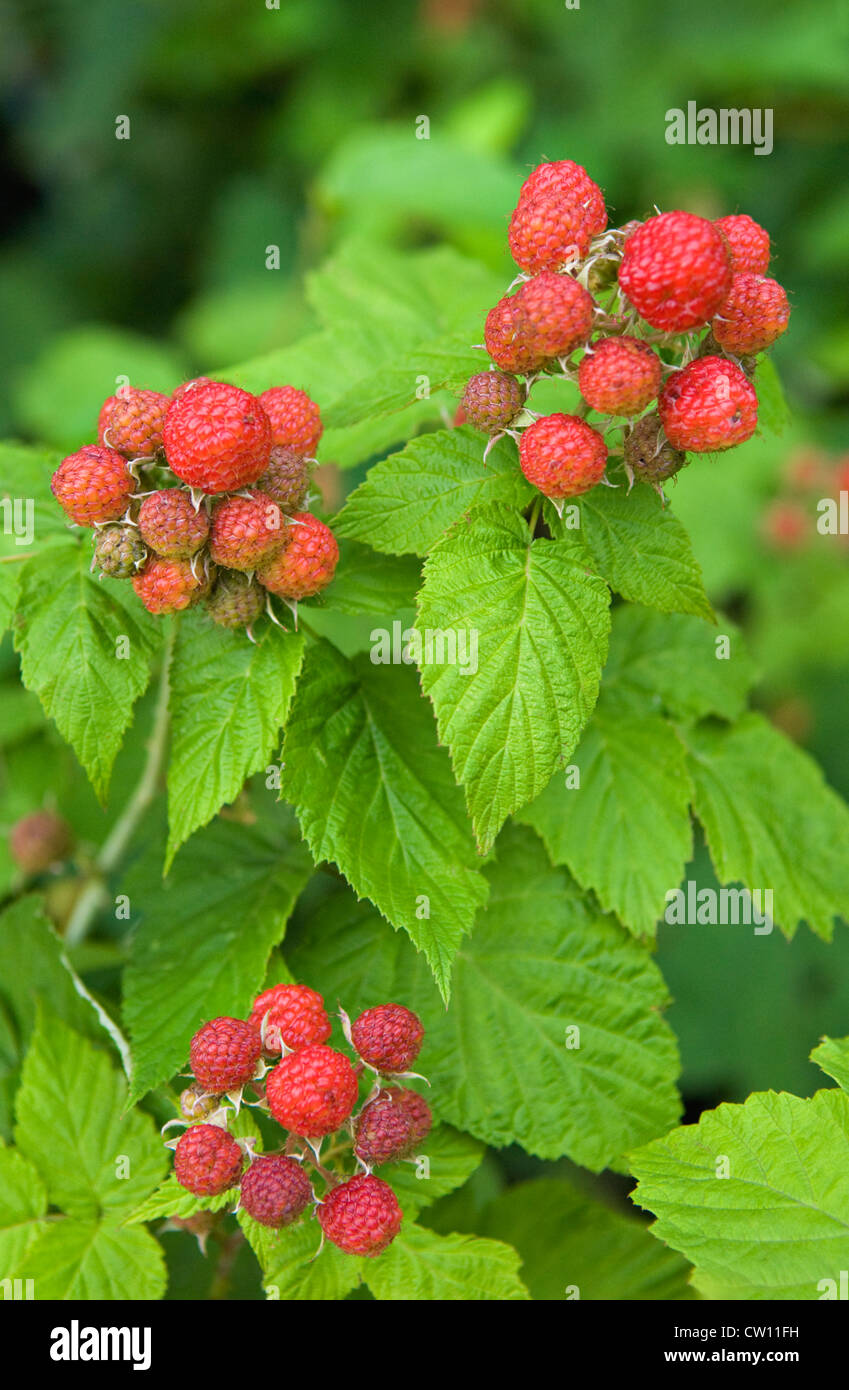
point(436, 364)
point(290, 1270)
point(30, 518)
point(23, 1203)
point(756, 1196)
point(773, 411)
point(421, 1266)
point(85, 1260)
point(539, 621)
point(832, 1055)
point(451, 1157)
point(170, 1199)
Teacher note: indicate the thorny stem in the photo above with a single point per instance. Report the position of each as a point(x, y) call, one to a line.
point(112, 850)
point(230, 1247)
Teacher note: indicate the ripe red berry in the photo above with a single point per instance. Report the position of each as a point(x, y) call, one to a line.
point(171, 524)
point(748, 243)
point(619, 376)
point(217, 437)
point(93, 485)
point(169, 586)
point(751, 317)
point(383, 1131)
point(361, 1216)
point(275, 1191)
point(388, 1037)
point(572, 184)
point(648, 453)
point(247, 531)
point(224, 1054)
point(294, 1015)
point(546, 318)
point(547, 232)
point(39, 840)
point(417, 1110)
point(676, 271)
point(235, 601)
point(207, 1160)
point(295, 419)
point(119, 551)
point(491, 400)
point(286, 479)
point(562, 455)
point(190, 386)
point(132, 422)
point(307, 563)
point(312, 1091)
point(708, 405)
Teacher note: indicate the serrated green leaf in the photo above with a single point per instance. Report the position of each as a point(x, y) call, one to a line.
point(229, 701)
point(290, 1269)
point(539, 623)
point(170, 1199)
point(375, 795)
point(832, 1055)
point(771, 821)
point(446, 1160)
point(756, 1196)
point(422, 1266)
point(426, 367)
point(88, 1260)
point(202, 936)
point(624, 830)
point(23, 1203)
point(410, 499)
point(372, 584)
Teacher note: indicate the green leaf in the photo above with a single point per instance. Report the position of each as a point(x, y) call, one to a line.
point(229, 700)
point(832, 1055)
point(170, 1199)
point(539, 962)
point(451, 1158)
point(771, 821)
point(432, 365)
point(88, 1260)
point(94, 1157)
point(777, 1225)
point(86, 646)
point(625, 830)
point(290, 1269)
point(773, 410)
point(372, 584)
point(33, 969)
point(203, 935)
point(410, 499)
point(422, 1266)
point(676, 662)
point(537, 623)
point(23, 1203)
point(375, 795)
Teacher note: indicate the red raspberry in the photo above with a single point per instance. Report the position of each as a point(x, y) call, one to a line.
point(247, 531)
point(286, 479)
point(491, 400)
point(189, 386)
point(748, 243)
point(547, 317)
point(572, 182)
point(312, 1091)
point(39, 840)
point(361, 1216)
point(417, 1109)
point(295, 419)
point(383, 1131)
point(308, 562)
point(676, 271)
point(172, 525)
point(275, 1190)
point(132, 422)
point(619, 376)
point(207, 1160)
point(707, 406)
point(169, 586)
point(235, 601)
point(546, 232)
point(562, 455)
point(648, 453)
point(388, 1037)
point(224, 1054)
point(754, 314)
point(217, 437)
point(119, 551)
point(294, 1015)
point(93, 485)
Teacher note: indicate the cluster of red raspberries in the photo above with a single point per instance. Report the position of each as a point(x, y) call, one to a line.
point(199, 497)
point(657, 323)
point(280, 1054)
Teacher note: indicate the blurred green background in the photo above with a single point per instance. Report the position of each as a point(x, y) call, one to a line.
point(295, 127)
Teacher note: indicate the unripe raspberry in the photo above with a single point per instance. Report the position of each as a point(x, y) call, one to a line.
point(546, 318)
point(308, 562)
point(417, 1110)
point(171, 524)
point(286, 479)
point(207, 1160)
point(119, 551)
point(235, 600)
point(707, 406)
point(224, 1054)
point(169, 586)
point(748, 243)
point(293, 1014)
point(217, 437)
point(676, 271)
point(275, 1191)
point(619, 376)
point(39, 840)
point(388, 1037)
point(383, 1132)
point(491, 400)
point(93, 485)
point(312, 1091)
point(546, 232)
point(295, 419)
point(196, 1103)
point(648, 453)
point(753, 315)
point(572, 184)
point(247, 531)
point(361, 1216)
point(133, 422)
point(562, 455)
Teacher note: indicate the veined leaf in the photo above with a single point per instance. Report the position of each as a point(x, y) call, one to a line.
point(421, 1266)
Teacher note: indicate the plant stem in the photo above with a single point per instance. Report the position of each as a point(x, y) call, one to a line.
point(534, 516)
